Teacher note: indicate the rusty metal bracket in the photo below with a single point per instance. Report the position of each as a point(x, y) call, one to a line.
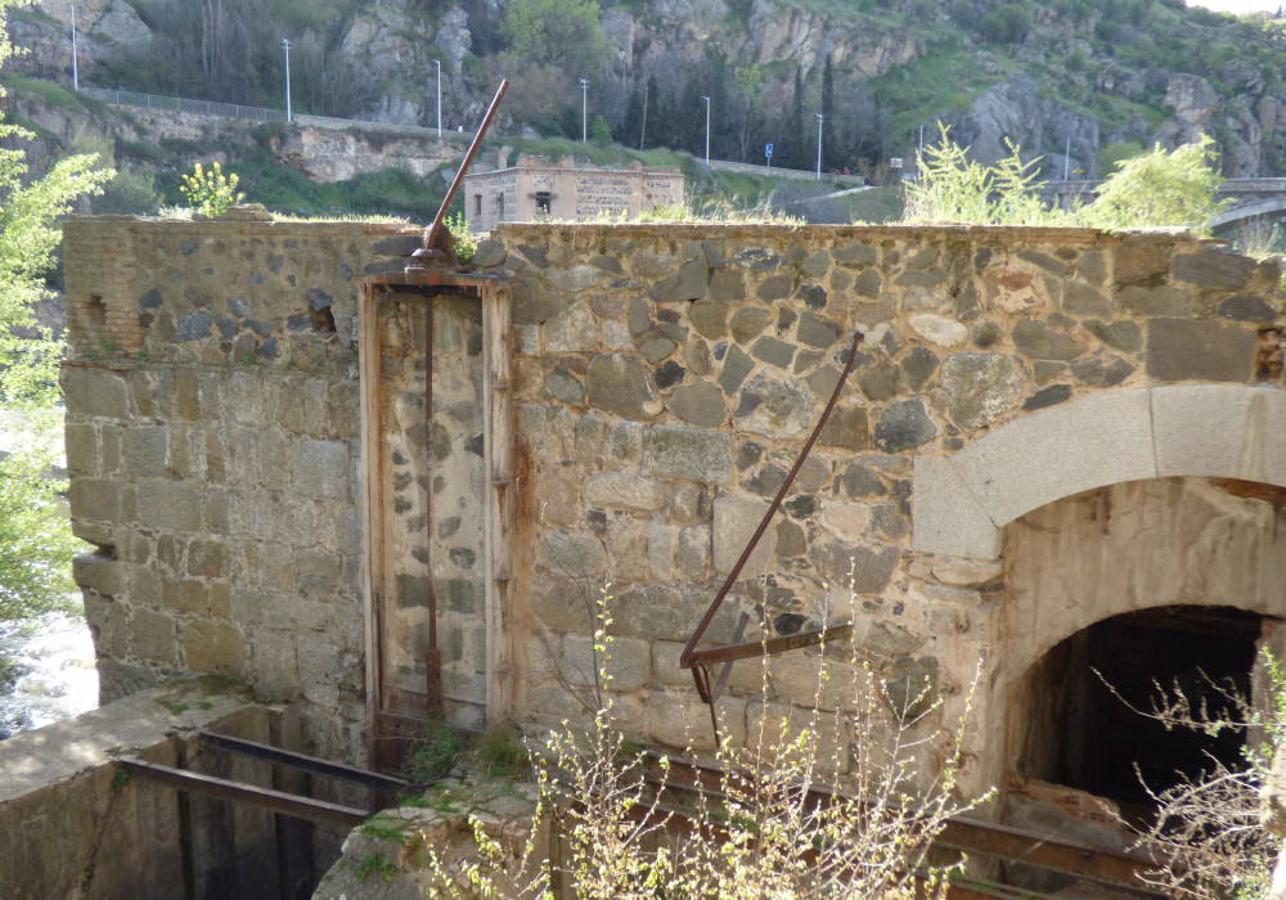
point(699, 661)
point(437, 238)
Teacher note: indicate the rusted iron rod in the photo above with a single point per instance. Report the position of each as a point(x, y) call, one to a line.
point(686, 658)
point(432, 234)
point(300, 761)
point(277, 801)
point(733, 652)
point(433, 656)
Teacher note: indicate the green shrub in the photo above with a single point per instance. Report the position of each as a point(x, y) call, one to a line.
point(433, 754)
point(501, 754)
point(129, 193)
point(1174, 188)
point(36, 543)
point(462, 239)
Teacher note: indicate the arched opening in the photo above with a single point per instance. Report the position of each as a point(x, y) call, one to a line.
point(1086, 696)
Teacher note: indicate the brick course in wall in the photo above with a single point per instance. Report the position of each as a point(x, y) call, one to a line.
point(212, 435)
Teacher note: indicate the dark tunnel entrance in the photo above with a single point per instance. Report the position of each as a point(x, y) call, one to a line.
point(1082, 736)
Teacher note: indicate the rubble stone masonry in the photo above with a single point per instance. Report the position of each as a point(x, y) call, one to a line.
point(665, 380)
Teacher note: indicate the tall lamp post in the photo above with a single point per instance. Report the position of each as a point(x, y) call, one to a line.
point(438, 63)
point(285, 45)
point(584, 107)
point(707, 100)
point(820, 118)
point(75, 62)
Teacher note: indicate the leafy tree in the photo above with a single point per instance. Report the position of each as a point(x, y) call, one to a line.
point(792, 146)
point(1161, 188)
point(36, 544)
point(562, 32)
point(600, 132)
point(830, 155)
point(29, 212)
point(1007, 24)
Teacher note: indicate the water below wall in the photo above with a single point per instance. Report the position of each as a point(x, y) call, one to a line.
point(47, 671)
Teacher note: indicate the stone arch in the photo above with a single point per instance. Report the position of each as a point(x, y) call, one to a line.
point(1129, 549)
point(961, 502)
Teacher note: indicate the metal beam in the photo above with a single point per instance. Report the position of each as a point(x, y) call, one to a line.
point(277, 801)
point(302, 761)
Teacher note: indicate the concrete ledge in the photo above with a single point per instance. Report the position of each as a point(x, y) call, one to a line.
point(961, 502)
point(34, 760)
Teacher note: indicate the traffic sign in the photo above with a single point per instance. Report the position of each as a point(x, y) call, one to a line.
point(767, 151)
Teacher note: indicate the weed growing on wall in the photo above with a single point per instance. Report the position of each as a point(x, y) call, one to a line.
point(211, 192)
point(462, 239)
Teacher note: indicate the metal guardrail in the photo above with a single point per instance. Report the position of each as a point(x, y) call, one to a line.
point(724, 165)
point(264, 114)
point(254, 113)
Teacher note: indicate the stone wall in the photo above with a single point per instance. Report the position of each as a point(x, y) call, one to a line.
point(212, 425)
point(664, 380)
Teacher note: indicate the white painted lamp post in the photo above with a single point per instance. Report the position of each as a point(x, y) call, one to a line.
point(820, 118)
point(707, 100)
point(584, 107)
point(75, 62)
point(438, 63)
point(285, 45)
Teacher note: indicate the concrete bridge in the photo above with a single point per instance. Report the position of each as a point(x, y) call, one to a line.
point(1251, 197)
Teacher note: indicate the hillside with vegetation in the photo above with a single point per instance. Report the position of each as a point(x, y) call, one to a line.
point(1081, 83)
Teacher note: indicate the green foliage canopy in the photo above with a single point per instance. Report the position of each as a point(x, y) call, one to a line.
point(36, 544)
point(1162, 188)
point(562, 32)
point(29, 234)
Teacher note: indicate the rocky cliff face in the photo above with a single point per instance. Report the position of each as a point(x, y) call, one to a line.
point(1059, 80)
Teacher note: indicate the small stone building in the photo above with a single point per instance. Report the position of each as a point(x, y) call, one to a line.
point(1060, 451)
point(536, 188)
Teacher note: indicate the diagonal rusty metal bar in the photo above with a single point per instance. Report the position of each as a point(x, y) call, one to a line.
point(434, 239)
point(698, 660)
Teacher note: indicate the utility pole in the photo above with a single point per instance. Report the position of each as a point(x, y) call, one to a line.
point(584, 110)
point(643, 127)
point(820, 118)
point(438, 63)
point(707, 100)
point(1067, 160)
point(75, 63)
point(290, 115)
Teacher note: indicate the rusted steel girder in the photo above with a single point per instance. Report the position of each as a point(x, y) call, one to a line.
point(699, 661)
point(1118, 868)
point(277, 801)
point(437, 239)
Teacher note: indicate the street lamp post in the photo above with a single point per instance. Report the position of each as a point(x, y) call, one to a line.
point(75, 62)
point(707, 100)
point(285, 45)
point(584, 107)
point(438, 63)
point(820, 118)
